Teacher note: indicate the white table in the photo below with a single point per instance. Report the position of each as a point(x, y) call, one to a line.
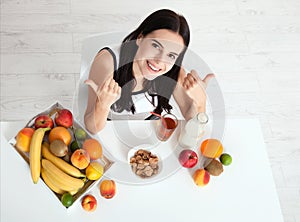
point(244, 192)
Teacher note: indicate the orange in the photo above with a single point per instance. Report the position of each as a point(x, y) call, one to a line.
point(93, 147)
point(60, 133)
point(211, 148)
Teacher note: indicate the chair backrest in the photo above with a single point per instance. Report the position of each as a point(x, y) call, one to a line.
point(90, 47)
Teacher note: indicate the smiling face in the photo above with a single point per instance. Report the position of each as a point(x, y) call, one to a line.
point(157, 53)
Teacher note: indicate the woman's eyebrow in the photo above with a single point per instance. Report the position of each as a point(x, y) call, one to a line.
point(163, 46)
point(157, 43)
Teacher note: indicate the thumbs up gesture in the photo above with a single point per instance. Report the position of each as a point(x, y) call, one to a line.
point(195, 87)
point(108, 94)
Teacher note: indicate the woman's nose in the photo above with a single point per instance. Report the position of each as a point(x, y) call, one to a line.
point(161, 58)
point(158, 57)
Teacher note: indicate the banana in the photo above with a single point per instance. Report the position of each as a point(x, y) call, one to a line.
point(35, 153)
point(60, 163)
point(53, 185)
point(73, 192)
point(61, 179)
point(50, 183)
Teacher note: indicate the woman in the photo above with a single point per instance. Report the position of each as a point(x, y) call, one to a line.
point(148, 73)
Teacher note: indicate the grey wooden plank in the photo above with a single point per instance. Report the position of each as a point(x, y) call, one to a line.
point(34, 63)
point(200, 7)
point(267, 7)
point(36, 42)
point(67, 23)
point(260, 62)
point(268, 42)
point(29, 7)
point(124, 22)
point(16, 85)
point(24, 108)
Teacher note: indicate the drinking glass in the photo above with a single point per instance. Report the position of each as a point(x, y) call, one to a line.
point(166, 126)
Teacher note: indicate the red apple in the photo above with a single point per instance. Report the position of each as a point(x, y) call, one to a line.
point(89, 203)
point(64, 118)
point(188, 158)
point(43, 121)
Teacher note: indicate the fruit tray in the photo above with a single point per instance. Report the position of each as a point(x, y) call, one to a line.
point(88, 184)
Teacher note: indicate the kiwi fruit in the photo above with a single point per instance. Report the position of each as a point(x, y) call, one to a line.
point(58, 148)
point(214, 167)
point(67, 157)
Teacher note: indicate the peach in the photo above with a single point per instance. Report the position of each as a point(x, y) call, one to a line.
point(23, 139)
point(201, 177)
point(108, 189)
point(80, 159)
point(89, 203)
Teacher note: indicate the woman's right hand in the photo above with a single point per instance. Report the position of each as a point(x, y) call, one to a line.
point(108, 94)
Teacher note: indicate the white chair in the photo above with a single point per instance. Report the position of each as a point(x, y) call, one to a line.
point(90, 47)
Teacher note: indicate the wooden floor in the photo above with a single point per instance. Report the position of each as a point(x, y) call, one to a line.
point(253, 46)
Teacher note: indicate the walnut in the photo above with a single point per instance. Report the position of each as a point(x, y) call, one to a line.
point(140, 166)
point(132, 160)
point(148, 171)
point(144, 163)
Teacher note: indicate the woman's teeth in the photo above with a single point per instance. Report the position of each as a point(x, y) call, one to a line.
point(152, 67)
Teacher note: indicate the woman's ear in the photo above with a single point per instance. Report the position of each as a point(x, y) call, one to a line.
point(139, 39)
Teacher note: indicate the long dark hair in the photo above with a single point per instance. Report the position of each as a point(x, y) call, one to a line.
point(161, 19)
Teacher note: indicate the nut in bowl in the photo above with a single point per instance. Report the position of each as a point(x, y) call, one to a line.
point(144, 161)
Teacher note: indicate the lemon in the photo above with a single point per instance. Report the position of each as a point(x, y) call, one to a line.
point(225, 159)
point(94, 171)
point(67, 199)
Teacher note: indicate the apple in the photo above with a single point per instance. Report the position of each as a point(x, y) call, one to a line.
point(64, 118)
point(43, 121)
point(89, 203)
point(188, 158)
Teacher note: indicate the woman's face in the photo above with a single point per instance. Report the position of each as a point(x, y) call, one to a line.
point(157, 53)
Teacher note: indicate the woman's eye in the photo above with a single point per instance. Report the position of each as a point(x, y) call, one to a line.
point(155, 45)
point(171, 56)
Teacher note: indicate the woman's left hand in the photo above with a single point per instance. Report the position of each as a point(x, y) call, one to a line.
point(195, 87)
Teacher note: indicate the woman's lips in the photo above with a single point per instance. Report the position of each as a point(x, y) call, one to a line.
point(152, 67)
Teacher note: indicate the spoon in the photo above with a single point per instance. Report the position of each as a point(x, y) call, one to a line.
point(163, 119)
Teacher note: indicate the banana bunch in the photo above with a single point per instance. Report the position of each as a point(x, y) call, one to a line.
point(59, 181)
point(59, 175)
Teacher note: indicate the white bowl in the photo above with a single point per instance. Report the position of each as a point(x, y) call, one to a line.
point(150, 148)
